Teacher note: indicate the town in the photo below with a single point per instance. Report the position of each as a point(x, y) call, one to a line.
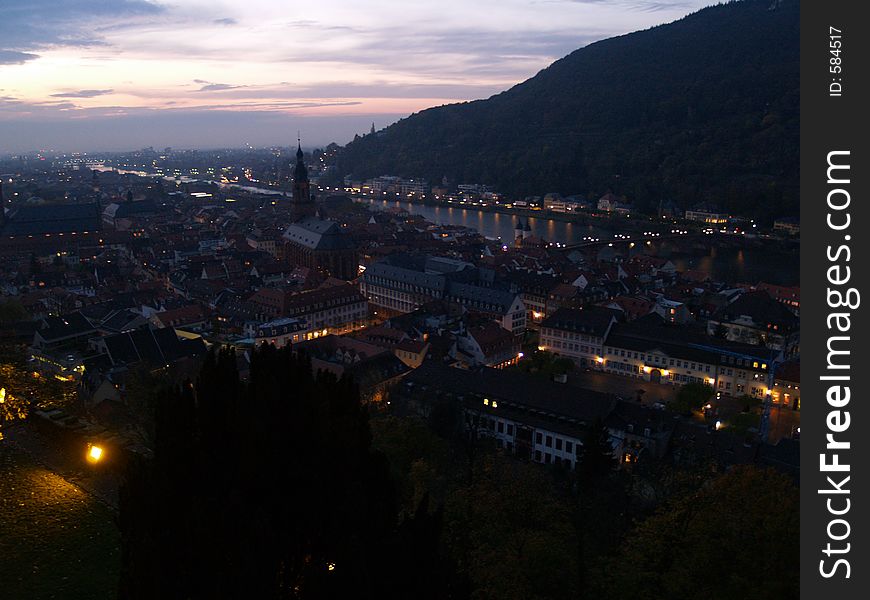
point(121, 270)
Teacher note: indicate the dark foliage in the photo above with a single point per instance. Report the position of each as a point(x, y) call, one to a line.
point(703, 109)
point(596, 462)
point(691, 397)
point(270, 489)
point(734, 538)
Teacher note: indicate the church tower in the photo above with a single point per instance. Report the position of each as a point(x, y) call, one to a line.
point(302, 204)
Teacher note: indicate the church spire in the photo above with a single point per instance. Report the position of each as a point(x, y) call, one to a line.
point(302, 204)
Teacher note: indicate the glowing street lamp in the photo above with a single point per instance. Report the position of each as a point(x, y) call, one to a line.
point(95, 453)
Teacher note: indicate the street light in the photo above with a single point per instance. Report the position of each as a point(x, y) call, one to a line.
point(95, 453)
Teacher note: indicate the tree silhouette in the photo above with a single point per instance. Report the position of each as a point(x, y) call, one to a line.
point(734, 538)
point(596, 461)
point(270, 489)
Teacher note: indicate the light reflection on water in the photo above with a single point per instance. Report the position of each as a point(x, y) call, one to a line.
point(733, 265)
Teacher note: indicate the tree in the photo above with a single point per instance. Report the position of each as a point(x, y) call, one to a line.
point(735, 538)
point(11, 310)
point(21, 388)
point(269, 489)
point(691, 397)
point(596, 461)
point(511, 532)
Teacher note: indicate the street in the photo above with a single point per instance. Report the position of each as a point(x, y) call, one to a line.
point(625, 387)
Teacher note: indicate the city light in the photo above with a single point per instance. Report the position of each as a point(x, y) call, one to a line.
point(95, 453)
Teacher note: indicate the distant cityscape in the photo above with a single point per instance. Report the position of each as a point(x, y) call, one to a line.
point(104, 257)
point(544, 344)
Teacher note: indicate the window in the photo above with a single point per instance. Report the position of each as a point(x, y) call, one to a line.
point(538, 437)
point(558, 444)
point(647, 431)
point(549, 443)
point(569, 446)
point(547, 458)
point(538, 455)
point(510, 429)
point(500, 427)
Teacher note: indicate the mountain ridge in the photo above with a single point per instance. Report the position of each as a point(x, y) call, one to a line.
point(704, 109)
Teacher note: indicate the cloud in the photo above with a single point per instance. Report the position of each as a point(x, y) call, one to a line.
point(13, 57)
point(637, 5)
point(82, 94)
point(225, 21)
point(41, 24)
point(374, 89)
point(216, 87)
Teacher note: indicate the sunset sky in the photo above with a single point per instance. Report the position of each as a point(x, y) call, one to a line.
point(123, 74)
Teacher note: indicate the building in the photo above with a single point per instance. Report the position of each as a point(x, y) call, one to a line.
point(705, 213)
point(536, 420)
point(281, 332)
point(555, 202)
point(609, 202)
point(787, 225)
point(312, 242)
point(757, 318)
point(120, 215)
point(787, 385)
point(653, 351)
point(391, 184)
point(672, 311)
point(401, 283)
point(375, 370)
point(578, 334)
point(411, 352)
point(639, 432)
point(502, 306)
point(487, 344)
point(51, 220)
point(790, 296)
point(329, 309)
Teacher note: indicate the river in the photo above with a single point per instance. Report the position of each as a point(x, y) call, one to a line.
point(721, 262)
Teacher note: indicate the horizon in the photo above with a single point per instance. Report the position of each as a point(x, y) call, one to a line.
point(212, 77)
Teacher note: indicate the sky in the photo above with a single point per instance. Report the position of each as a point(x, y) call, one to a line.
point(91, 75)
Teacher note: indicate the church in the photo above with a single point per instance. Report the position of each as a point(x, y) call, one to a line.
point(313, 242)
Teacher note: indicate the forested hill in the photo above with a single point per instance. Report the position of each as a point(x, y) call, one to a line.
point(702, 109)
